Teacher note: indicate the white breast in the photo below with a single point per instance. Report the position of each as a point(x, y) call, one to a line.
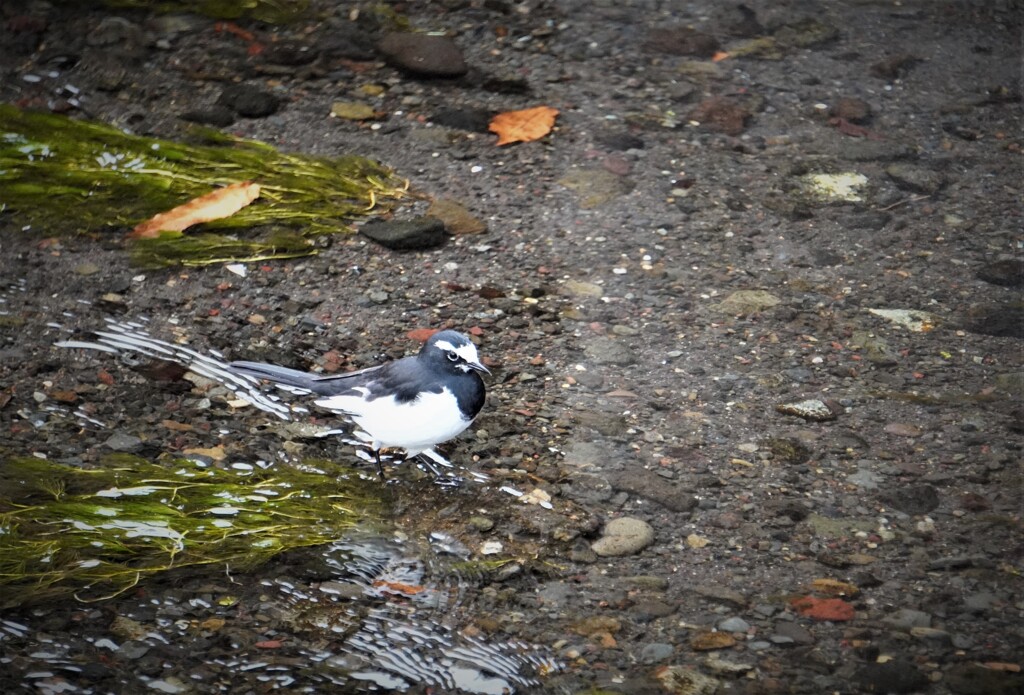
point(414, 426)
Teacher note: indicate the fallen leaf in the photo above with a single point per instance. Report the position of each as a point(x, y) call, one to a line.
point(409, 589)
point(523, 126)
point(212, 624)
point(222, 202)
point(834, 609)
point(176, 426)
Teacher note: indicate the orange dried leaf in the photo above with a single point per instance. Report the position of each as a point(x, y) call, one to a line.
point(719, 56)
point(834, 609)
point(523, 126)
point(223, 202)
point(409, 589)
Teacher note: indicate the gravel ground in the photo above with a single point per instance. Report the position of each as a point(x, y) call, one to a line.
point(764, 476)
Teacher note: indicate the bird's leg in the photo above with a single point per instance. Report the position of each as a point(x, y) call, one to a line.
point(380, 467)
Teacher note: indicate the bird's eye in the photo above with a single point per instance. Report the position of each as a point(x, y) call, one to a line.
point(452, 357)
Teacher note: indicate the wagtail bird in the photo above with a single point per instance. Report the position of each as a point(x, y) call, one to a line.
point(413, 403)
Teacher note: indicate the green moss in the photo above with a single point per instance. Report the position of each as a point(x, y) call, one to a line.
point(62, 175)
point(97, 532)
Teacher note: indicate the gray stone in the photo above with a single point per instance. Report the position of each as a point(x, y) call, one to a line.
point(979, 602)
point(423, 54)
point(916, 179)
point(608, 351)
point(409, 235)
point(912, 499)
point(733, 624)
point(907, 618)
point(865, 479)
point(655, 652)
point(794, 632)
point(119, 441)
point(624, 536)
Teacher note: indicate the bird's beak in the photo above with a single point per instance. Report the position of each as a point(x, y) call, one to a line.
point(478, 367)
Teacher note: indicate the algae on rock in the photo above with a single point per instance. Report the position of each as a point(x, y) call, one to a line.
point(94, 533)
point(70, 176)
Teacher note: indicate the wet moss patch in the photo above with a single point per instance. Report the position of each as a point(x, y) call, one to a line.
point(64, 176)
point(93, 533)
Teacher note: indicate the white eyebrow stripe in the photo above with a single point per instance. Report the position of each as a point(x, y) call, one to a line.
point(445, 345)
point(468, 353)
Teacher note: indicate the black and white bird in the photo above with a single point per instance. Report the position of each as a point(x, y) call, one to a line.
point(413, 403)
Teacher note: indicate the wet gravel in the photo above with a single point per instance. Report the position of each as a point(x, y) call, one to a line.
point(730, 386)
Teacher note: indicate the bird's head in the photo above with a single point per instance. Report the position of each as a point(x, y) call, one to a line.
point(455, 350)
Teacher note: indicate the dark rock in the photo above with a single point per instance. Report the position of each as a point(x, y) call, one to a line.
point(249, 101)
point(409, 235)
point(798, 633)
point(974, 679)
point(289, 53)
point(894, 66)
point(916, 179)
point(651, 486)
point(913, 499)
point(1000, 320)
point(682, 41)
point(1008, 273)
point(890, 677)
point(619, 141)
point(472, 120)
point(423, 54)
point(852, 109)
point(721, 114)
point(217, 115)
point(646, 611)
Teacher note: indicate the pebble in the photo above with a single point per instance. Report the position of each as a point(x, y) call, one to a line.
point(119, 441)
point(406, 235)
point(623, 536)
point(656, 652)
point(249, 101)
point(907, 618)
point(423, 55)
point(733, 625)
point(609, 351)
point(890, 677)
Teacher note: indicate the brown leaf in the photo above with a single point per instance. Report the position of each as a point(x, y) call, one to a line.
point(523, 126)
point(409, 589)
point(223, 202)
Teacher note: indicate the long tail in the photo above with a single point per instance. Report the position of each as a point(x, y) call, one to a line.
point(130, 337)
point(278, 375)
